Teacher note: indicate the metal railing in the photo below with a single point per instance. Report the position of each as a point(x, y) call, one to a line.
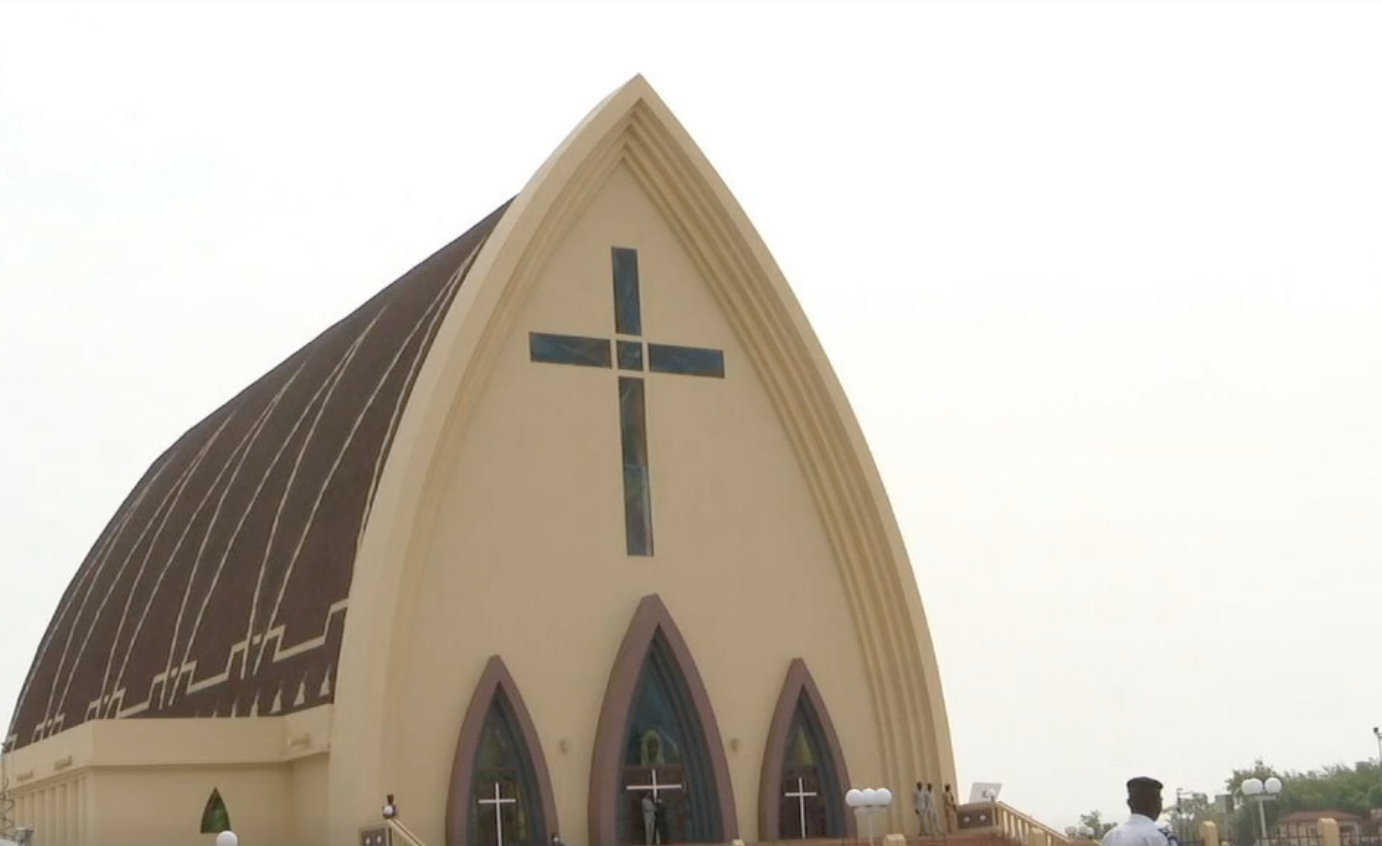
point(1009, 823)
point(402, 835)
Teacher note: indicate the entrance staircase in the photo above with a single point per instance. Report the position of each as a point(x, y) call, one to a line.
point(980, 824)
point(959, 839)
point(1000, 824)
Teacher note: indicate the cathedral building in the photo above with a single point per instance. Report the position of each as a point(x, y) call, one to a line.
point(569, 529)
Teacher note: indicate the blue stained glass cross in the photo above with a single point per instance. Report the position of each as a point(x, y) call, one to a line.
point(630, 354)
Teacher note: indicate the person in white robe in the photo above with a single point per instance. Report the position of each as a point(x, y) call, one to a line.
point(924, 801)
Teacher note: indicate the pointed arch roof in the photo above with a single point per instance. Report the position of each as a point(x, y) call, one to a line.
point(633, 130)
point(220, 586)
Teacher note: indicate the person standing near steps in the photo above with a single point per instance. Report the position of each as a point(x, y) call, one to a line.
point(952, 811)
point(1140, 829)
point(924, 801)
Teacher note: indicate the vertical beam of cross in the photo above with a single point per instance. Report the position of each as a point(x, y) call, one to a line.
point(632, 355)
point(801, 795)
point(498, 802)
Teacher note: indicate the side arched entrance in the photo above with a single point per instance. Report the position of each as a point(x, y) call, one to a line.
point(501, 792)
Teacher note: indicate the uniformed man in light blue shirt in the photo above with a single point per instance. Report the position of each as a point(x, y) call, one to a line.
point(1140, 829)
point(1171, 838)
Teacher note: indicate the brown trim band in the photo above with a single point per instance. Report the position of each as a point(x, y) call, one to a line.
point(605, 762)
point(495, 677)
point(798, 684)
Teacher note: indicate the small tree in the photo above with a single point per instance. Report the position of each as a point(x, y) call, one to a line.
point(1094, 821)
point(1353, 789)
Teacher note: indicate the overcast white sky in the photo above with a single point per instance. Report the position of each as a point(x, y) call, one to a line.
point(1103, 282)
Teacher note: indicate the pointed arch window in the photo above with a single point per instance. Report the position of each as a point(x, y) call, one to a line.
point(667, 774)
point(215, 816)
point(659, 774)
point(501, 793)
point(504, 787)
point(812, 803)
point(804, 778)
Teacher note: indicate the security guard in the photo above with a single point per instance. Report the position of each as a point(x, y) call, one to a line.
point(1140, 829)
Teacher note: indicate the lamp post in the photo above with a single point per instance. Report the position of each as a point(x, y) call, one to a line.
point(1180, 814)
point(869, 803)
point(1262, 792)
point(1190, 806)
point(1377, 733)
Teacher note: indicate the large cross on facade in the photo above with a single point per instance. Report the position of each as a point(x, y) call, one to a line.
point(631, 354)
point(498, 803)
point(801, 794)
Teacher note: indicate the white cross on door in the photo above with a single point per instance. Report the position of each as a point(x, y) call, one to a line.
point(655, 787)
point(499, 801)
point(801, 795)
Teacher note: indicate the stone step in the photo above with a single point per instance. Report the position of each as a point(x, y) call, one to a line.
point(968, 838)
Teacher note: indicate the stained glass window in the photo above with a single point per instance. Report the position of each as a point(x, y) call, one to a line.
point(548, 348)
point(215, 817)
point(638, 507)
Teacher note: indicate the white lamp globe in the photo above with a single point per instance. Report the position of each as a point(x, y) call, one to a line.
point(868, 797)
point(1272, 785)
point(854, 797)
point(227, 838)
point(1252, 787)
point(885, 796)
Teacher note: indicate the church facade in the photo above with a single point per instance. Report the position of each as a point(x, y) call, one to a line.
point(570, 529)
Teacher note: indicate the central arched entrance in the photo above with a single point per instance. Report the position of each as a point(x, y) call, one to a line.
point(659, 773)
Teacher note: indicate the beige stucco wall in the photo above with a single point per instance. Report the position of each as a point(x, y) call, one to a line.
point(145, 782)
point(528, 560)
point(309, 791)
point(164, 804)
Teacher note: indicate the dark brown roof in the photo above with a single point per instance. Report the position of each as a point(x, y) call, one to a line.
point(219, 588)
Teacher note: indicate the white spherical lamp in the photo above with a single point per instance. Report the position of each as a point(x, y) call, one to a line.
point(227, 838)
point(854, 797)
point(1252, 786)
point(885, 796)
point(1272, 785)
